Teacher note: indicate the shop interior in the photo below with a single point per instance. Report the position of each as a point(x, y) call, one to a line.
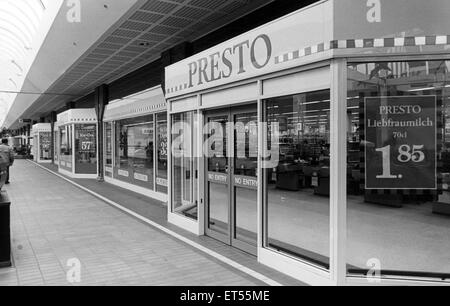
point(407, 231)
point(140, 151)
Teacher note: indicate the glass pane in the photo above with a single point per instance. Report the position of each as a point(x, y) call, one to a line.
point(45, 140)
point(108, 149)
point(246, 215)
point(218, 208)
point(297, 175)
point(108, 140)
point(86, 149)
point(245, 176)
point(63, 141)
point(398, 169)
point(65, 147)
point(183, 200)
point(218, 174)
point(134, 152)
point(161, 174)
point(217, 146)
point(55, 145)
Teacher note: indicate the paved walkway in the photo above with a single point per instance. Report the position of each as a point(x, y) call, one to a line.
point(53, 222)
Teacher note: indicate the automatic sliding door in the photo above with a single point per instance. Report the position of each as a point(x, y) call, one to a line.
point(218, 177)
point(245, 181)
point(231, 184)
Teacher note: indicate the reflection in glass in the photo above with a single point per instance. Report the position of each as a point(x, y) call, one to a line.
point(108, 148)
point(218, 174)
point(45, 141)
point(245, 177)
point(65, 134)
point(161, 142)
point(406, 229)
point(246, 227)
point(218, 208)
point(134, 152)
point(298, 187)
point(183, 197)
point(55, 145)
point(86, 149)
point(217, 138)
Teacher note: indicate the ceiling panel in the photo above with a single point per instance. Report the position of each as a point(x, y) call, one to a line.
point(154, 27)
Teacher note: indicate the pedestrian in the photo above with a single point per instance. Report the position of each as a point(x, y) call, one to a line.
point(9, 153)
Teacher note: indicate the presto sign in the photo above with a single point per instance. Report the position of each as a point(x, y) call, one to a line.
point(401, 142)
point(232, 60)
point(276, 46)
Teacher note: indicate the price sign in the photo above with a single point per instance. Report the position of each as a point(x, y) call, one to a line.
point(86, 137)
point(86, 146)
point(401, 142)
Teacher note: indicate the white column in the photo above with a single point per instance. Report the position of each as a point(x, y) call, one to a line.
point(338, 180)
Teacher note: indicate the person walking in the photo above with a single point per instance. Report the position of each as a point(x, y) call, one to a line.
point(9, 154)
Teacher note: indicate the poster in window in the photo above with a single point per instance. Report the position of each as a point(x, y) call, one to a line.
point(45, 144)
point(87, 140)
point(401, 142)
point(162, 141)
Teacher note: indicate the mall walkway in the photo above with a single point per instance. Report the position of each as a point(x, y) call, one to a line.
point(54, 221)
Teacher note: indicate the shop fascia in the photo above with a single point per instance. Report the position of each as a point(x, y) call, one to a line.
point(233, 60)
point(182, 143)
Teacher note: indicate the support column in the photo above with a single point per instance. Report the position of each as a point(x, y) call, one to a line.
point(28, 134)
point(173, 55)
point(338, 177)
point(101, 100)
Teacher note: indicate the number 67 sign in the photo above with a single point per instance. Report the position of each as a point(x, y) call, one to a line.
point(401, 142)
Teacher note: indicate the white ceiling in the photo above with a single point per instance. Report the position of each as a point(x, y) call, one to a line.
point(161, 24)
point(23, 26)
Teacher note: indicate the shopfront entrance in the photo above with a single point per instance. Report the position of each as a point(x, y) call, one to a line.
point(231, 176)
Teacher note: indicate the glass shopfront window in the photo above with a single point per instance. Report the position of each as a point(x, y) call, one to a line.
point(86, 149)
point(135, 151)
point(108, 149)
point(398, 168)
point(65, 134)
point(45, 140)
point(297, 176)
point(161, 143)
point(183, 165)
point(55, 145)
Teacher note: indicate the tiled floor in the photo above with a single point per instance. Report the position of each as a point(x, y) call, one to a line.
point(53, 222)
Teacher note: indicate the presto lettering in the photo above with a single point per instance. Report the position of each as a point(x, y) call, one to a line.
point(232, 60)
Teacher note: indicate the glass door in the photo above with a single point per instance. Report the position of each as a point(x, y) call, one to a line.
point(231, 177)
point(218, 176)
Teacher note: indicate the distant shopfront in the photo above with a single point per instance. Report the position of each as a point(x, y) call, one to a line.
point(323, 152)
point(42, 137)
point(77, 143)
point(136, 143)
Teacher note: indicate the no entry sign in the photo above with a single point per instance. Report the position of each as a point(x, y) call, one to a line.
point(401, 142)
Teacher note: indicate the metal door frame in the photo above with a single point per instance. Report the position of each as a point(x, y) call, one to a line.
point(228, 238)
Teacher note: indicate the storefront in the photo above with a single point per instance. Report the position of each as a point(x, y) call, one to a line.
point(136, 143)
point(42, 139)
point(77, 143)
point(319, 143)
point(55, 144)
